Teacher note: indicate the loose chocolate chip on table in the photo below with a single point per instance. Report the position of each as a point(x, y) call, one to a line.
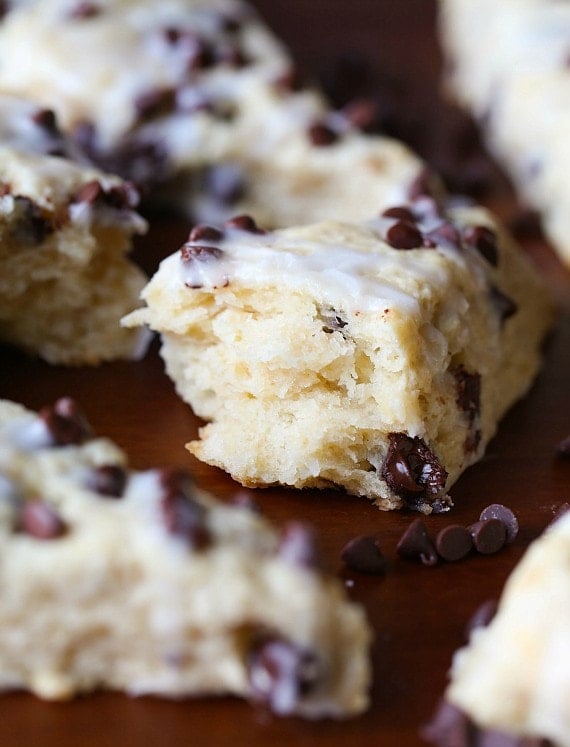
point(415, 544)
point(363, 554)
point(297, 545)
point(489, 536)
point(66, 423)
point(280, 673)
point(503, 514)
point(453, 543)
point(108, 479)
point(40, 520)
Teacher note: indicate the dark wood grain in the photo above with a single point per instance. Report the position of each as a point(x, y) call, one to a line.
point(418, 613)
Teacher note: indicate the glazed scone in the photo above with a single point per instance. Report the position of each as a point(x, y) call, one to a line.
point(508, 64)
point(198, 102)
point(514, 674)
point(138, 581)
point(65, 230)
point(377, 357)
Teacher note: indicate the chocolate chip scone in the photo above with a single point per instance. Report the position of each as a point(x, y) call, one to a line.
point(199, 103)
point(508, 64)
point(65, 230)
point(377, 357)
point(138, 581)
point(514, 675)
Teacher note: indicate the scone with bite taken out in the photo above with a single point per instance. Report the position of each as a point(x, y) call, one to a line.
point(377, 357)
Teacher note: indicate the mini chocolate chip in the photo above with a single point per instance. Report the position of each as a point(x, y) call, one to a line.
point(481, 617)
point(453, 543)
point(280, 673)
point(361, 113)
point(244, 223)
point(290, 80)
point(155, 102)
point(298, 546)
point(363, 554)
point(66, 423)
point(85, 9)
point(489, 536)
point(30, 227)
point(203, 232)
point(415, 544)
point(404, 235)
point(504, 515)
point(411, 468)
point(46, 119)
point(504, 305)
point(321, 135)
point(40, 520)
point(108, 480)
point(197, 253)
point(563, 448)
point(468, 391)
point(400, 212)
point(484, 240)
point(183, 516)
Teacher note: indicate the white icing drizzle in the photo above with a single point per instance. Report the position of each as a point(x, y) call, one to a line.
point(332, 273)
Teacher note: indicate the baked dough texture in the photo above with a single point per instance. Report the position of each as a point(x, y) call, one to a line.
point(514, 674)
point(325, 355)
point(139, 581)
point(65, 231)
point(508, 65)
point(198, 102)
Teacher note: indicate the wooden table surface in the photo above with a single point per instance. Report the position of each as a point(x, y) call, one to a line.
point(418, 613)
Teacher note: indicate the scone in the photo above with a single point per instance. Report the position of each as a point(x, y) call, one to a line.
point(508, 64)
point(138, 581)
point(65, 230)
point(198, 103)
point(377, 357)
point(514, 675)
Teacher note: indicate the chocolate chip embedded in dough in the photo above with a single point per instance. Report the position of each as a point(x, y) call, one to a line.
point(280, 673)
point(321, 135)
point(484, 240)
point(489, 536)
point(504, 306)
point(411, 469)
point(204, 232)
point(244, 223)
point(404, 235)
point(363, 554)
point(84, 9)
point(453, 543)
point(40, 520)
point(108, 480)
point(401, 212)
point(503, 514)
point(197, 253)
point(183, 516)
point(415, 544)
point(65, 422)
point(468, 391)
point(30, 225)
